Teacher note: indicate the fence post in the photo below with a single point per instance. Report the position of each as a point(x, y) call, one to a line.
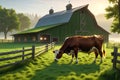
point(115, 56)
point(52, 45)
point(2, 40)
point(33, 51)
point(46, 47)
point(23, 54)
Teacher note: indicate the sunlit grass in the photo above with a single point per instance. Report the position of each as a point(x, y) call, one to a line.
point(4, 47)
point(45, 68)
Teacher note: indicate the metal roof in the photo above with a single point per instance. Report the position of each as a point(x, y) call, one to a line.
point(58, 17)
point(37, 29)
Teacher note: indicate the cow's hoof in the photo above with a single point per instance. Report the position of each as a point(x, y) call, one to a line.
point(76, 62)
point(93, 62)
point(101, 62)
point(70, 62)
point(55, 60)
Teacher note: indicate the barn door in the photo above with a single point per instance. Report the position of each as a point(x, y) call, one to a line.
point(54, 39)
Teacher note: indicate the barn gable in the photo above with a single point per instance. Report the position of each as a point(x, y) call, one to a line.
point(58, 17)
point(57, 26)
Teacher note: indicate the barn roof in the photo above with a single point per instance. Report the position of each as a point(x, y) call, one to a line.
point(52, 20)
point(58, 17)
point(35, 30)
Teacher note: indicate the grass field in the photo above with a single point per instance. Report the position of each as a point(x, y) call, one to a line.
point(4, 47)
point(45, 68)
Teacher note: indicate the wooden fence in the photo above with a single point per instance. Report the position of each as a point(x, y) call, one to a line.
point(115, 60)
point(19, 56)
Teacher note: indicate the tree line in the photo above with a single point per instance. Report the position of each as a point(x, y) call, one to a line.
point(10, 21)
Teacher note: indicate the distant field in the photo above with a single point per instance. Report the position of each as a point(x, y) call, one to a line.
point(44, 68)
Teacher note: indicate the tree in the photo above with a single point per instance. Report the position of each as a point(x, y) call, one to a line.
point(24, 21)
point(8, 21)
point(114, 12)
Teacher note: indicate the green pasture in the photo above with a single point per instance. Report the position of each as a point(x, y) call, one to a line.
point(44, 67)
point(4, 47)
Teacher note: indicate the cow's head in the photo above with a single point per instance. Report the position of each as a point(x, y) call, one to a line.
point(58, 54)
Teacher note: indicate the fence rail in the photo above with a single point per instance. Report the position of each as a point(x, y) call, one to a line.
point(115, 60)
point(24, 54)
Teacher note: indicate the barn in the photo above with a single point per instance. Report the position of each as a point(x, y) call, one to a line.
point(56, 26)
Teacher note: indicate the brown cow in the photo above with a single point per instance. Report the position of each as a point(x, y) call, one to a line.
point(81, 43)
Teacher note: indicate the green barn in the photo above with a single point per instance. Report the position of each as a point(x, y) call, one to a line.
point(56, 26)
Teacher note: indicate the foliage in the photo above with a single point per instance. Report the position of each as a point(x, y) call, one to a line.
point(34, 19)
point(8, 21)
point(113, 12)
point(44, 68)
point(24, 21)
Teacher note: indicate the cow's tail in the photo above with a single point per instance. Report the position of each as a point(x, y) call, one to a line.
point(103, 50)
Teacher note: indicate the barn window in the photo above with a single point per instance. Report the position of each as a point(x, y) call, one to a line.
point(55, 39)
point(41, 38)
point(18, 39)
point(34, 38)
point(45, 38)
point(25, 39)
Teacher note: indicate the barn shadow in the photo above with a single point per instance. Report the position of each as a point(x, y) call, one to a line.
point(56, 70)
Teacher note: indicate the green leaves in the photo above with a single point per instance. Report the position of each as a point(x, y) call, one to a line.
point(8, 20)
point(113, 12)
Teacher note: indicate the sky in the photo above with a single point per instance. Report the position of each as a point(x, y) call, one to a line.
point(41, 7)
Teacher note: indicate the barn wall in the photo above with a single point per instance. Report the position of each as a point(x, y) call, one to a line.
point(82, 22)
point(26, 37)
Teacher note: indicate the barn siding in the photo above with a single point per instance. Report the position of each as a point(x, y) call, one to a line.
point(82, 22)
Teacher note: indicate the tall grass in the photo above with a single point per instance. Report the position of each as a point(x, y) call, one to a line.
point(45, 68)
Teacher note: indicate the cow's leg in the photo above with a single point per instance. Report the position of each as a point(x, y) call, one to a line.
point(76, 54)
point(72, 57)
point(96, 55)
point(101, 56)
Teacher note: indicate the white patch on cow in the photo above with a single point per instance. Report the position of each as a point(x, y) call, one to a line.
point(92, 50)
point(66, 38)
point(56, 52)
point(76, 60)
point(71, 52)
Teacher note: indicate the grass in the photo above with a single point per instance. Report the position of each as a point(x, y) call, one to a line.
point(45, 68)
point(4, 47)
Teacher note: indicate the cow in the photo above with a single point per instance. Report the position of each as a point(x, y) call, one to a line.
point(88, 44)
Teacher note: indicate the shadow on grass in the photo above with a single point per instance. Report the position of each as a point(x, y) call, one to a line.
point(55, 71)
point(15, 67)
point(111, 74)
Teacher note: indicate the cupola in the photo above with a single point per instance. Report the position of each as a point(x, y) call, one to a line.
point(51, 11)
point(69, 6)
